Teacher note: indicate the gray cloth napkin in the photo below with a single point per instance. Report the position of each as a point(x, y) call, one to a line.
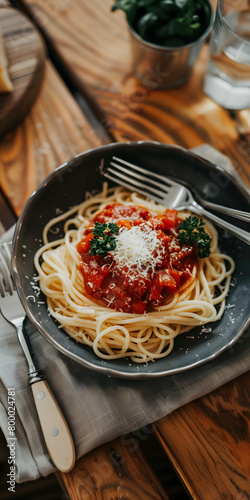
point(98, 408)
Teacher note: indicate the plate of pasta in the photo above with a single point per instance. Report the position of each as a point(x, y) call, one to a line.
point(126, 286)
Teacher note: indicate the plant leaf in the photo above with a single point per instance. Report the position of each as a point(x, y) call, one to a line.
point(169, 6)
point(191, 231)
point(104, 240)
point(159, 12)
point(145, 3)
point(145, 22)
point(182, 4)
point(173, 28)
point(128, 6)
point(166, 22)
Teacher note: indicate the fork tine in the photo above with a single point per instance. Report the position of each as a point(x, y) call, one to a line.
point(147, 173)
point(145, 177)
point(168, 192)
point(131, 183)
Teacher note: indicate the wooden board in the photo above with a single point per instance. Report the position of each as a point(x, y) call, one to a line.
point(25, 52)
point(54, 131)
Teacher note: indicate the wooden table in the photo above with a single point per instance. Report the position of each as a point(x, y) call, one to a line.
point(89, 97)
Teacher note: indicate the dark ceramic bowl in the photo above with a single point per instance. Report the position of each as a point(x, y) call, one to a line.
point(67, 186)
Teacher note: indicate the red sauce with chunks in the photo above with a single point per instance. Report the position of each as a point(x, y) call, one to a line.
point(147, 265)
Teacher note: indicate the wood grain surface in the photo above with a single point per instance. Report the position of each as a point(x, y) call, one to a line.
point(25, 52)
point(93, 45)
point(208, 442)
point(55, 131)
point(113, 472)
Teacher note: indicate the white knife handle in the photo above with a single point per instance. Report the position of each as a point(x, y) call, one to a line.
point(55, 429)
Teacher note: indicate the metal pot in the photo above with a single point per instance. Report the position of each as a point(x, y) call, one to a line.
point(158, 66)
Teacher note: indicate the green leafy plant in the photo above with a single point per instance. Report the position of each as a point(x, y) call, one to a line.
point(191, 231)
point(104, 240)
point(170, 23)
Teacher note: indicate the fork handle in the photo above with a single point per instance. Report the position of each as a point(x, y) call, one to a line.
point(54, 426)
point(238, 214)
point(236, 231)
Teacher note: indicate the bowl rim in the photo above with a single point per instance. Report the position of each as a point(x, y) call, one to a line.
point(18, 228)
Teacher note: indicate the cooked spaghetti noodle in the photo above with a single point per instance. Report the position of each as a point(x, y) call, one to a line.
point(114, 333)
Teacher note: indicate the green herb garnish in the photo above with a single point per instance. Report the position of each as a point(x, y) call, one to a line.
point(192, 232)
point(103, 240)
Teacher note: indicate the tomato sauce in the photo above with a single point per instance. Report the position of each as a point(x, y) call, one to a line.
point(131, 288)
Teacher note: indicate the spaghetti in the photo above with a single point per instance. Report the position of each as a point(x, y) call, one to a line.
point(196, 296)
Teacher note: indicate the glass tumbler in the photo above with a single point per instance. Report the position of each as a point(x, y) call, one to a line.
point(227, 79)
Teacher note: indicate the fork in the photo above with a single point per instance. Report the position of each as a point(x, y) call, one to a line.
point(55, 430)
point(170, 193)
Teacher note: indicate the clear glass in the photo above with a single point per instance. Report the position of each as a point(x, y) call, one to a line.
point(227, 79)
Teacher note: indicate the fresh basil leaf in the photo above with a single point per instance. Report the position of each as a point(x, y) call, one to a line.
point(166, 22)
point(200, 4)
point(162, 32)
point(182, 4)
point(195, 26)
point(145, 3)
point(159, 12)
point(128, 6)
point(145, 22)
point(168, 6)
point(174, 27)
point(187, 32)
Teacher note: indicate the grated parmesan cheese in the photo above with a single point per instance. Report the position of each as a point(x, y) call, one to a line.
point(139, 249)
